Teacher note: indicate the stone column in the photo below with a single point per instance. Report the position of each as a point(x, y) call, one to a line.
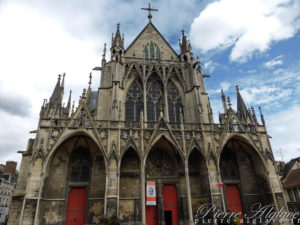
point(112, 178)
point(188, 192)
point(143, 204)
point(214, 179)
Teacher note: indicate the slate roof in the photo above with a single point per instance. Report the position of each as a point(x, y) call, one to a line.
point(293, 179)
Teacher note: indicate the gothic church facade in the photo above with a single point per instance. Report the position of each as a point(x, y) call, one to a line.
point(150, 120)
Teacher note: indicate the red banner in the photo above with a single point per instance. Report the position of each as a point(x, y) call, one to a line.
point(150, 193)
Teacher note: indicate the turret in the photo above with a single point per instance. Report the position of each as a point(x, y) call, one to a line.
point(54, 108)
point(117, 45)
point(186, 53)
point(242, 112)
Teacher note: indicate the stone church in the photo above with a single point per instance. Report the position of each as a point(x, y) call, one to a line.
point(147, 132)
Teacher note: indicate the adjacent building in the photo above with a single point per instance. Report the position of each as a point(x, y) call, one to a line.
point(8, 182)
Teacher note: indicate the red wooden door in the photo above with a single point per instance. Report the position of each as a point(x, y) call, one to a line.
point(76, 207)
point(170, 203)
point(151, 215)
point(233, 198)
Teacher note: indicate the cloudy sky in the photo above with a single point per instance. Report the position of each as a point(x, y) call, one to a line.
point(252, 43)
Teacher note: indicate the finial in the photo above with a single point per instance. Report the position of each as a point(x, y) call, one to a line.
point(149, 9)
point(237, 87)
point(104, 51)
point(83, 96)
point(118, 26)
point(73, 105)
point(222, 91)
point(261, 116)
point(198, 59)
point(90, 81)
point(59, 77)
point(182, 32)
point(229, 103)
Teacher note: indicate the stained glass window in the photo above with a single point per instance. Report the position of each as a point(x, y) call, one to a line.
point(158, 54)
point(79, 165)
point(174, 103)
point(134, 102)
point(154, 97)
point(146, 53)
point(151, 50)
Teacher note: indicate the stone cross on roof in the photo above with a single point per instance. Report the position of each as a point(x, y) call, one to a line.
point(149, 9)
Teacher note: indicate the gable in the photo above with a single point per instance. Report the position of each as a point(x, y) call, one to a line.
point(148, 34)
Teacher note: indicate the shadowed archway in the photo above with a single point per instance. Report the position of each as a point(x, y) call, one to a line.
point(244, 176)
point(77, 163)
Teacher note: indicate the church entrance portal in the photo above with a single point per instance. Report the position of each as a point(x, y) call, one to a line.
point(233, 198)
point(170, 204)
point(76, 207)
point(165, 168)
point(170, 210)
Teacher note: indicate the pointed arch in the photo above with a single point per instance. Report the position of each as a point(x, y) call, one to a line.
point(146, 53)
point(134, 101)
point(175, 106)
point(244, 169)
point(155, 96)
point(129, 187)
point(157, 54)
point(151, 50)
point(199, 180)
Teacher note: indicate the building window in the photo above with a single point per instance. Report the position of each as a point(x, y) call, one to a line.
point(152, 52)
point(79, 165)
point(290, 195)
point(296, 194)
point(174, 103)
point(146, 53)
point(158, 54)
point(134, 102)
point(154, 97)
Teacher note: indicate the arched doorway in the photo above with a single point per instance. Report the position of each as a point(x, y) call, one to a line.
point(164, 168)
point(244, 177)
point(199, 182)
point(75, 183)
point(129, 191)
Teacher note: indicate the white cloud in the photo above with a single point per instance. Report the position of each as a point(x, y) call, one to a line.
point(284, 129)
point(225, 85)
point(264, 94)
point(274, 62)
point(210, 66)
point(247, 26)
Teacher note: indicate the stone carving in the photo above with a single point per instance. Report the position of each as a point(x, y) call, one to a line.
point(160, 164)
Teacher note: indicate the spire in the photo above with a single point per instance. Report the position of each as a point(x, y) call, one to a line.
point(117, 40)
point(104, 52)
point(69, 100)
point(90, 80)
point(254, 115)
point(261, 116)
point(56, 96)
point(185, 46)
point(63, 81)
point(241, 106)
point(224, 101)
point(149, 9)
point(229, 103)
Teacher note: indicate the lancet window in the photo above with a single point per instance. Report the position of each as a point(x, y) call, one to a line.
point(154, 97)
point(174, 102)
point(134, 101)
point(152, 52)
point(79, 165)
